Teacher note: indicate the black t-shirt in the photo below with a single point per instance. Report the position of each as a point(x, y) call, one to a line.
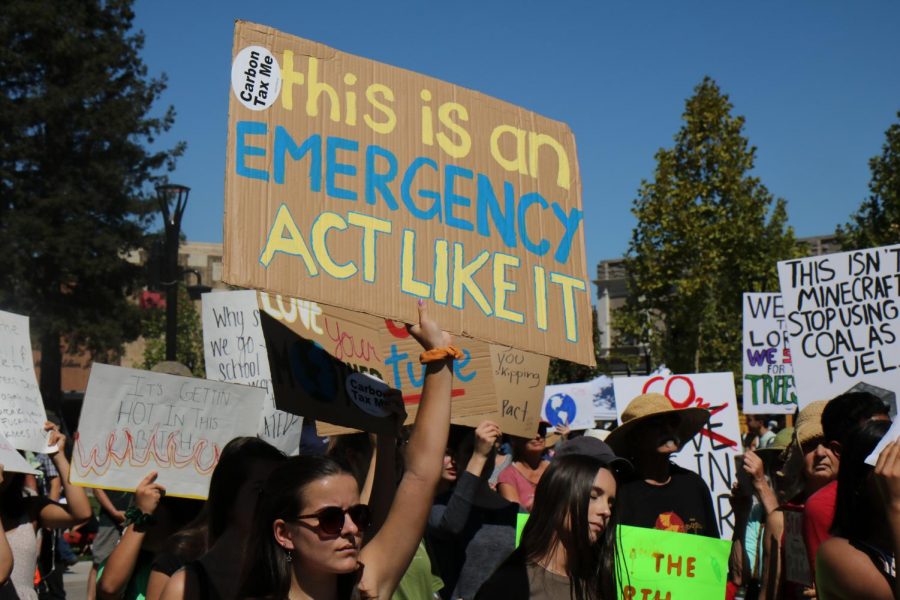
point(684, 504)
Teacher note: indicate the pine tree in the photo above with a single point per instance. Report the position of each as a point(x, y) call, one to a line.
point(877, 222)
point(707, 231)
point(75, 171)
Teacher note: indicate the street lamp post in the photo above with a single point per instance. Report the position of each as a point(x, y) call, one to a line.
point(172, 202)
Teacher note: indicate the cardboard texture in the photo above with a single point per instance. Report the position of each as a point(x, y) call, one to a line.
point(22, 414)
point(710, 454)
point(519, 381)
point(365, 186)
point(134, 422)
point(234, 350)
point(842, 319)
point(768, 382)
point(320, 355)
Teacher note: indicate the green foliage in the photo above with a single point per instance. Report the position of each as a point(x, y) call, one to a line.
point(877, 222)
point(707, 232)
point(188, 335)
point(564, 371)
point(75, 172)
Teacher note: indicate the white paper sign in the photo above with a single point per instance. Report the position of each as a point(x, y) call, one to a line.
point(569, 404)
point(842, 317)
point(22, 414)
point(134, 422)
point(235, 352)
point(711, 452)
point(604, 399)
point(12, 461)
point(768, 372)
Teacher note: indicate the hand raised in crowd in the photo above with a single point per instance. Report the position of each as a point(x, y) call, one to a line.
point(427, 332)
point(148, 494)
point(563, 430)
point(56, 439)
point(753, 466)
point(887, 474)
point(486, 435)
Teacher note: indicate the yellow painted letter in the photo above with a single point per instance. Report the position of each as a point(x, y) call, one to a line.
point(293, 244)
point(518, 163)
point(462, 278)
point(408, 281)
point(321, 226)
point(371, 227)
point(535, 141)
point(503, 287)
point(568, 285)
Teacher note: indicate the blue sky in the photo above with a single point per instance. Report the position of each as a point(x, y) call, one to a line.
point(818, 83)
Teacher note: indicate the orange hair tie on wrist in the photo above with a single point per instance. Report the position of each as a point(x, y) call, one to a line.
point(439, 354)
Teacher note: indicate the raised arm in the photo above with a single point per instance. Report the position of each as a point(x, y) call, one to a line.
point(120, 564)
point(77, 508)
point(387, 556)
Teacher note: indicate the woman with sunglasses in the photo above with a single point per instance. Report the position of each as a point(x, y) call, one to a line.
point(308, 536)
point(518, 481)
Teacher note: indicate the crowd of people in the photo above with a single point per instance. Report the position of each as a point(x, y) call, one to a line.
point(432, 512)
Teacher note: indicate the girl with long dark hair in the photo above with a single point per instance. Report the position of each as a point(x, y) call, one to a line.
point(858, 561)
point(307, 541)
point(567, 548)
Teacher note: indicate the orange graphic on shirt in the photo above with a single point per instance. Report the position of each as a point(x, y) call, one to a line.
point(670, 521)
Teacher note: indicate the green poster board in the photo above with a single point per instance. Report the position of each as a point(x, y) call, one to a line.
point(664, 565)
point(521, 519)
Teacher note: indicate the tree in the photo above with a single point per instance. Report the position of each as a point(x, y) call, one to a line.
point(877, 222)
point(189, 335)
point(707, 231)
point(75, 115)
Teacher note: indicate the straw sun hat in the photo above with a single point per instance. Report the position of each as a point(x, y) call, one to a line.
point(642, 408)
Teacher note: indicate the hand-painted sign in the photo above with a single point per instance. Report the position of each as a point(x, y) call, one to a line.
point(570, 404)
point(711, 452)
point(842, 318)
point(352, 180)
point(655, 564)
point(22, 414)
point(235, 352)
point(768, 369)
point(133, 422)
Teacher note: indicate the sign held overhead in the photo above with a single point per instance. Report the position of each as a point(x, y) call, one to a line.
point(347, 178)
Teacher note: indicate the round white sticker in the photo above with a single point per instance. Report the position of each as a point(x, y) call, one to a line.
point(368, 393)
point(256, 77)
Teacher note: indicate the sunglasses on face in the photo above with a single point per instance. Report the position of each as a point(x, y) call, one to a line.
point(331, 518)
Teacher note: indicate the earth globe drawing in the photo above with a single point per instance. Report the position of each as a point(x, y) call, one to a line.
point(560, 410)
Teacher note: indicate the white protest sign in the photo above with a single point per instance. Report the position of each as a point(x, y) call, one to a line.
point(842, 318)
point(134, 422)
point(235, 352)
point(12, 461)
point(604, 399)
point(569, 404)
point(22, 414)
point(768, 371)
point(711, 452)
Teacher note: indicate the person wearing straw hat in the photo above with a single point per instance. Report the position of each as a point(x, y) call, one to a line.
point(661, 495)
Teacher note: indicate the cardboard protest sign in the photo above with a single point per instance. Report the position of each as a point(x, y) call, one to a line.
point(321, 357)
point(569, 404)
point(663, 564)
point(796, 557)
point(353, 180)
point(768, 370)
point(134, 422)
point(711, 452)
point(842, 318)
point(12, 461)
point(519, 380)
point(235, 352)
point(22, 414)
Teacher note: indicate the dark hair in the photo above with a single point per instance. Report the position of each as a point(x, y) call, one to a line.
point(354, 451)
point(848, 410)
point(233, 469)
point(560, 515)
point(856, 511)
point(266, 572)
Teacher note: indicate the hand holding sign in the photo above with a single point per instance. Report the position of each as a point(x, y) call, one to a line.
point(427, 332)
point(486, 435)
point(148, 494)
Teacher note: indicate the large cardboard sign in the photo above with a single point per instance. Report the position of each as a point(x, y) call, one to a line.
point(12, 461)
point(569, 404)
point(22, 414)
point(235, 352)
point(322, 358)
point(768, 383)
point(367, 186)
point(133, 422)
point(519, 381)
point(711, 452)
point(664, 564)
point(842, 317)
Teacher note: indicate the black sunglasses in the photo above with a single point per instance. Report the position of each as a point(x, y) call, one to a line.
point(331, 518)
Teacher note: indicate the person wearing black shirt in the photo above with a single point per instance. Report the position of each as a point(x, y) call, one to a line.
point(661, 495)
